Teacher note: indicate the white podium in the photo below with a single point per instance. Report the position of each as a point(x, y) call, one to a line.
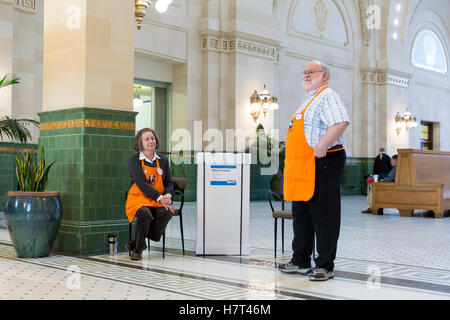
point(223, 203)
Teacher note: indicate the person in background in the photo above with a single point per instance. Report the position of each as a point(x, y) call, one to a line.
point(149, 198)
point(382, 164)
point(390, 178)
point(391, 175)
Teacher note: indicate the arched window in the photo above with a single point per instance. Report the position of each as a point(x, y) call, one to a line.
point(428, 52)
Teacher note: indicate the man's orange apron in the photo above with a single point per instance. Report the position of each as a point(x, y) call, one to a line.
point(300, 163)
point(137, 199)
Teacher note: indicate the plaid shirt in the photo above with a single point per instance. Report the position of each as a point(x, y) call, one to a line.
point(326, 110)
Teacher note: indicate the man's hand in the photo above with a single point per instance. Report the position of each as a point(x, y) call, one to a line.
point(320, 150)
point(332, 134)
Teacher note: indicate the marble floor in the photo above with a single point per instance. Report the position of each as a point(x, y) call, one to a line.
point(378, 258)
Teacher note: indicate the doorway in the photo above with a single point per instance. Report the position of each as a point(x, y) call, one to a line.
point(153, 102)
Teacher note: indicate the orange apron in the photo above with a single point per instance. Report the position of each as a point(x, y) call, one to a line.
point(300, 163)
point(137, 199)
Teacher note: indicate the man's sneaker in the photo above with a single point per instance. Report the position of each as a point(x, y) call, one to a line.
point(321, 275)
point(292, 268)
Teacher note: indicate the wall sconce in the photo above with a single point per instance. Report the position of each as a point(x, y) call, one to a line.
point(262, 102)
point(162, 5)
point(139, 11)
point(404, 121)
point(141, 5)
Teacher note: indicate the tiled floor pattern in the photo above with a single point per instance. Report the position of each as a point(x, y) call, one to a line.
point(379, 257)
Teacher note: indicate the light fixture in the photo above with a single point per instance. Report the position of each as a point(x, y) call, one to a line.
point(404, 121)
point(139, 11)
point(262, 101)
point(162, 5)
point(140, 6)
point(137, 101)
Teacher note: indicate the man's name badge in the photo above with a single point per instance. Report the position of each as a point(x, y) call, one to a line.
point(298, 116)
point(160, 171)
point(291, 124)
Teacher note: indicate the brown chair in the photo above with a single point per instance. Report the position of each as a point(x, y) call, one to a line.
point(180, 186)
point(282, 214)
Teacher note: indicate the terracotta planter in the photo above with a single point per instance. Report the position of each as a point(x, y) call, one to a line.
point(33, 220)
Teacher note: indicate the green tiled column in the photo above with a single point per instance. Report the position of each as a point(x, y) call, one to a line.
point(91, 148)
point(356, 169)
point(8, 179)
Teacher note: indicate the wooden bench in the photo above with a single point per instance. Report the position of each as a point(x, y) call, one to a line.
point(422, 181)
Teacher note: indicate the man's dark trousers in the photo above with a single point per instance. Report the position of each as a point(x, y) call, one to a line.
point(320, 215)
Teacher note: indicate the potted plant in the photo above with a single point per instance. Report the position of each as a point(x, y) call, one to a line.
point(14, 129)
point(264, 144)
point(33, 215)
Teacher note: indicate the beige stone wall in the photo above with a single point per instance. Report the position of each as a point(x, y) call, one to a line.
point(216, 53)
point(429, 92)
point(6, 53)
point(88, 54)
point(21, 56)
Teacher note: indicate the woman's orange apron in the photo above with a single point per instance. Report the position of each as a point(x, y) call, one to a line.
point(300, 163)
point(137, 199)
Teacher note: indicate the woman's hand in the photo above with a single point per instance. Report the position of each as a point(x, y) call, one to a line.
point(166, 200)
point(169, 208)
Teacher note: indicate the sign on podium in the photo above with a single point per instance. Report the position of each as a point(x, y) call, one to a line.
point(223, 203)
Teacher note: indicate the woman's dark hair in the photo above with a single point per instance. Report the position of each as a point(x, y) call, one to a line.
point(395, 156)
point(138, 139)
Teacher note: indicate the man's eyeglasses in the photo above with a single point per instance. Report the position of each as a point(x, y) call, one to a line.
point(310, 72)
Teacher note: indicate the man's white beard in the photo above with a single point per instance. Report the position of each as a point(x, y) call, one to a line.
point(311, 84)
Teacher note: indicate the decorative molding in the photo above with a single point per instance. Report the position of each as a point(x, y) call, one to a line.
point(391, 79)
point(256, 49)
point(88, 123)
point(293, 31)
point(211, 43)
point(321, 14)
point(18, 150)
point(25, 5)
point(380, 77)
point(365, 32)
point(275, 5)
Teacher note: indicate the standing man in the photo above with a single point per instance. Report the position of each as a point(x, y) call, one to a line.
point(314, 167)
point(382, 164)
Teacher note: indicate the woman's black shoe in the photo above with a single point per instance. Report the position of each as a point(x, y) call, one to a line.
point(129, 248)
point(136, 255)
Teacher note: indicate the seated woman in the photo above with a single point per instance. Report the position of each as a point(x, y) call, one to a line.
point(150, 196)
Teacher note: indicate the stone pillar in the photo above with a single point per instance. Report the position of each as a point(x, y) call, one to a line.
point(238, 57)
point(87, 123)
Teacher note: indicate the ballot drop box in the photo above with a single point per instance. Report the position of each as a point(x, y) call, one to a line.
point(223, 203)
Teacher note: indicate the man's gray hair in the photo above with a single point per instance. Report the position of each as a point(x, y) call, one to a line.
point(325, 68)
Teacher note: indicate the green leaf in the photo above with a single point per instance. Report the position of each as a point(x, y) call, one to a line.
point(31, 176)
point(4, 82)
point(16, 129)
